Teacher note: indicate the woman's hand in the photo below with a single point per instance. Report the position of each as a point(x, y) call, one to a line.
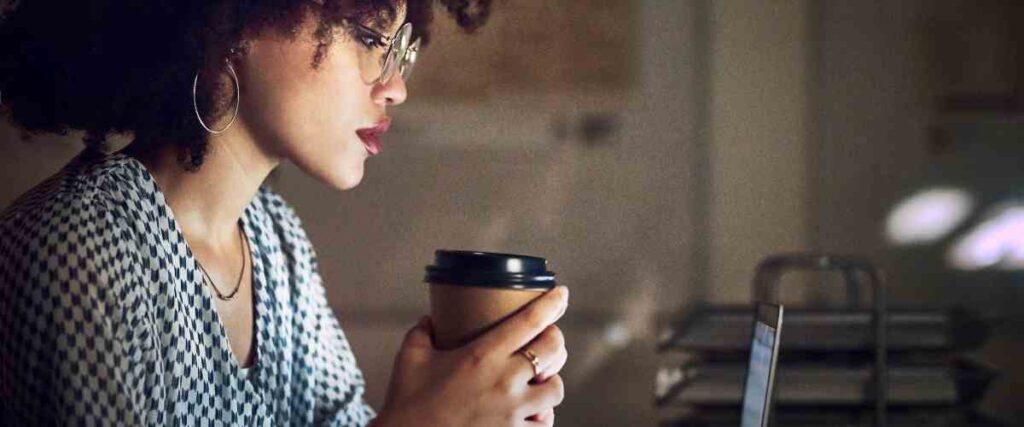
point(486, 382)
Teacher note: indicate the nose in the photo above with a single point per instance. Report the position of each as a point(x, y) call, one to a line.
point(391, 93)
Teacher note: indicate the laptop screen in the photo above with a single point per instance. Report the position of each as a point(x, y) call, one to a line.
point(761, 367)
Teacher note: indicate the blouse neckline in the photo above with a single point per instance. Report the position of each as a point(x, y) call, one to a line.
point(251, 215)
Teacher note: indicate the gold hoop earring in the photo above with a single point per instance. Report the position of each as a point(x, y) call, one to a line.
point(238, 100)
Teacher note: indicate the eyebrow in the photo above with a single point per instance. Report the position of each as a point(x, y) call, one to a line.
point(390, 21)
point(380, 20)
point(383, 21)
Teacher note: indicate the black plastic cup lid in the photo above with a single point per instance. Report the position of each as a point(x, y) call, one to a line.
point(472, 268)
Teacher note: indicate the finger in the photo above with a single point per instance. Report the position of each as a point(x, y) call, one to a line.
point(544, 396)
point(529, 422)
point(549, 347)
point(554, 368)
point(539, 420)
point(513, 333)
point(546, 418)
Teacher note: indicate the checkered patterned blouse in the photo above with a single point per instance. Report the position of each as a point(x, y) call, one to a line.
point(104, 319)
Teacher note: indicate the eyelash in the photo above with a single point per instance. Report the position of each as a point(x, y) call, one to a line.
point(368, 42)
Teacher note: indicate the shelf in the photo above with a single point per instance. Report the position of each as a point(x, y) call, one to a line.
point(727, 330)
point(837, 418)
point(721, 384)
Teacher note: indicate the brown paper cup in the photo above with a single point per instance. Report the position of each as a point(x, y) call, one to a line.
point(471, 292)
point(459, 314)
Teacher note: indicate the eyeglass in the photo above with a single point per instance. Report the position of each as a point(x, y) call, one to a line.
point(400, 54)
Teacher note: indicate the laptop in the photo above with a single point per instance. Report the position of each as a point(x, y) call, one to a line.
point(764, 352)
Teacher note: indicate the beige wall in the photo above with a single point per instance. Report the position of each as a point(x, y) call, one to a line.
point(759, 138)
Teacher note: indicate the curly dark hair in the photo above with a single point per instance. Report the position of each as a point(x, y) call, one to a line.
point(118, 66)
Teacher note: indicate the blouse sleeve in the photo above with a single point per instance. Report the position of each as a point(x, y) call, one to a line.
point(336, 381)
point(64, 358)
point(339, 385)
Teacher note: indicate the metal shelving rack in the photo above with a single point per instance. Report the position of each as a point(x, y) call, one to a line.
point(848, 365)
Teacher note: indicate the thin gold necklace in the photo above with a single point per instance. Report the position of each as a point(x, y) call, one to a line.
point(244, 245)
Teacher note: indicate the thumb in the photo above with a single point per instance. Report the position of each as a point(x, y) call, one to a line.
point(418, 342)
point(415, 353)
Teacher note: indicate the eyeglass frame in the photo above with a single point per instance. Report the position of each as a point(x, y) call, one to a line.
point(389, 42)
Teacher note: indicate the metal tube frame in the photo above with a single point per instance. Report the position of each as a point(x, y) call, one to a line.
point(766, 289)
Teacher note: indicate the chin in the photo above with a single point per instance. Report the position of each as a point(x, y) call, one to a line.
point(341, 170)
point(344, 177)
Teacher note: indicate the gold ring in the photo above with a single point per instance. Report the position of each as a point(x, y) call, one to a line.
point(534, 360)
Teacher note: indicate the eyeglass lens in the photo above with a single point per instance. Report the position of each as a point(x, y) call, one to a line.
point(409, 60)
point(397, 54)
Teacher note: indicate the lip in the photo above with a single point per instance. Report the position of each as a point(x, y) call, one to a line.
point(371, 135)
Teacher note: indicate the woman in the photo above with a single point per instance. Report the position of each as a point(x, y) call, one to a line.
point(164, 284)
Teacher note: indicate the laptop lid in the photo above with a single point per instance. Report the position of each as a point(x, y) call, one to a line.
point(764, 352)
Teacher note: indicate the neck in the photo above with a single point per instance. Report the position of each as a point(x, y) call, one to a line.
point(208, 202)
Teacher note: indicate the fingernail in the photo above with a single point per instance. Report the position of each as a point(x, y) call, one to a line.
point(565, 294)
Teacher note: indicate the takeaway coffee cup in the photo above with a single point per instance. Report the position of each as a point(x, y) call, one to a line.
point(471, 292)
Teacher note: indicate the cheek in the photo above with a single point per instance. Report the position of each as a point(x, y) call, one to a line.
point(292, 105)
point(321, 117)
point(309, 116)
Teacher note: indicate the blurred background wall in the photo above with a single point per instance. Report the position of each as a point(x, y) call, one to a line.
point(654, 151)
